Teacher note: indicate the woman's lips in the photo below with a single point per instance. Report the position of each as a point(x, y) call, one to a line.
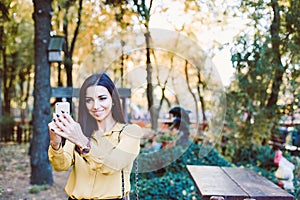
point(98, 112)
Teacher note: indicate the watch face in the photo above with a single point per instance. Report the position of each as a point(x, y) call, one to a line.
point(85, 150)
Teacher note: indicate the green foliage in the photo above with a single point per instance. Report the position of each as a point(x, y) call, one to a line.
point(296, 161)
point(35, 189)
point(265, 86)
point(257, 98)
point(169, 186)
point(167, 136)
point(21, 167)
point(247, 123)
point(16, 54)
point(173, 181)
point(255, 155)
point(2, 168)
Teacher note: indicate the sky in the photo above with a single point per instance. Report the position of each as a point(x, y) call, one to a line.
point(221, 58)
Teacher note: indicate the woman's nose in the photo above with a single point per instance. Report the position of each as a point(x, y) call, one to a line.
point(96, 104)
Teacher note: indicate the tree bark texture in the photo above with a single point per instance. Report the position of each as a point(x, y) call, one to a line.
point(279, 69)
point(41, 170)
point(151, 108)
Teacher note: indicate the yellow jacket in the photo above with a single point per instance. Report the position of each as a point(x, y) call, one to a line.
point(97, 174)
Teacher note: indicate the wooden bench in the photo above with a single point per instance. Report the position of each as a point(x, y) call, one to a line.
point(234, 184)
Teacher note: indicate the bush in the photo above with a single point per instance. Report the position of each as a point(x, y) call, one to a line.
point(168, 186)
point(255, 155)
point(174, 181)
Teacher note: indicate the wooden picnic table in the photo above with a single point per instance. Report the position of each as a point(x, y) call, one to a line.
point(234, 184)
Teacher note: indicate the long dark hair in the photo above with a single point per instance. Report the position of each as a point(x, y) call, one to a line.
point(88, 122)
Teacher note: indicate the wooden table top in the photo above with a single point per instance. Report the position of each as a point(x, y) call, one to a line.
point(235, 184)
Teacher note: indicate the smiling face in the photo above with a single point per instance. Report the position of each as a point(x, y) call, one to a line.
point(99, 102)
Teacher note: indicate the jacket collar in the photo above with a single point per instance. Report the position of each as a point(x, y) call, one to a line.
point(117, 128)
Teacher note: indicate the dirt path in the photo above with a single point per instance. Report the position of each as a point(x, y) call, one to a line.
point(15, 177)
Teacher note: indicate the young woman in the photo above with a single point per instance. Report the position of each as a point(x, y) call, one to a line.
point(100, 146)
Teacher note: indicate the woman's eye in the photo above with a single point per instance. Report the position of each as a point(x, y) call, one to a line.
point(88, 100)
point(102, 98)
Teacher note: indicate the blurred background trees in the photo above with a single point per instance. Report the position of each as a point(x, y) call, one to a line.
point(16, 37)
point(265, 90)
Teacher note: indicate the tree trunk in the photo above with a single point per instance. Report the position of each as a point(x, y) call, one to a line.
point(41, 171)
point(151, 108)
point(190, 89)
point(10, 75)
point(1, 113)
point(6, 101)
point(70, 48)
point(69, 68)
point(200, 82)
point(279, 69)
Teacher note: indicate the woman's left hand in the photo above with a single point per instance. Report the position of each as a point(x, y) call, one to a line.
point(68, 128)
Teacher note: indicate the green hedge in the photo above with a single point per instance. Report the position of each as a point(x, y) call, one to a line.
point(173, 181)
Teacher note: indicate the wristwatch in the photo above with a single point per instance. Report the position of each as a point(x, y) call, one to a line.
point(86, 149)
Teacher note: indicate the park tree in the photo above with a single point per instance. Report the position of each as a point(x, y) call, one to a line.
point(16, 41)
point(143, 14)
point(142, 10)
point(65, 13)
point(190, 16)
point(266, 64)
point(85, 37)
point(16, 32)
point(41, 171)
point(3, 19)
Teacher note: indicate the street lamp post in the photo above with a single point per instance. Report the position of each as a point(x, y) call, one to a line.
point(56, 53)
point(56, 49)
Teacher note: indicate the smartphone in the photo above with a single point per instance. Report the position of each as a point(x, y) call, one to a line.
point(62, 106)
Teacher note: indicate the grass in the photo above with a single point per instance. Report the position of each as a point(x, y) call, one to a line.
point(35, 189)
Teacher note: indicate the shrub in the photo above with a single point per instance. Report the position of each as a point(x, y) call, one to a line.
point(255, 155)
point(35, 189)
point(174, 181)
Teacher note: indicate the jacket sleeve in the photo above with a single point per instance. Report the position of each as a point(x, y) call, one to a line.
point(108, 158)
point(62, 158)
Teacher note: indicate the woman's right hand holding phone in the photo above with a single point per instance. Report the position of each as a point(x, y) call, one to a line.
point(55, 139)
point(63, 125)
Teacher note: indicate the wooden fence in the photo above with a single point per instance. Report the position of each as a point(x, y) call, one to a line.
point(20, 133)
